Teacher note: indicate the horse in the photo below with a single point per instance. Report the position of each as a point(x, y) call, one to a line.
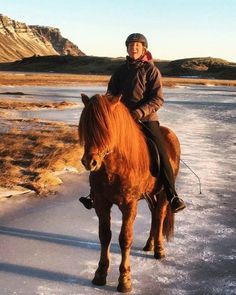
point(116, 154)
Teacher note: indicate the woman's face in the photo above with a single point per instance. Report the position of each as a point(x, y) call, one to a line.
point(135, 50)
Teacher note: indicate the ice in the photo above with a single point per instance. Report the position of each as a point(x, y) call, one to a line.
point(51, 94)
point(200, 259)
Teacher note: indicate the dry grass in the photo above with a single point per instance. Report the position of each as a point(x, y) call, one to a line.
point(23, 105)
point(30, 158)
point(53, 79)
point(194, 81)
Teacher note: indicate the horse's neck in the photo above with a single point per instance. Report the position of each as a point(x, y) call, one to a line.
point(131, 177)
point(133, 157)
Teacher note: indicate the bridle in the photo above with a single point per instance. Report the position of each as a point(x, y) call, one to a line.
point(104, 153)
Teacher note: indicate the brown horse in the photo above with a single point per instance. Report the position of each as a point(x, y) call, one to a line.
point(116, 153)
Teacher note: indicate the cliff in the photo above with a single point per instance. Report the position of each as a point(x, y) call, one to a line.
point(62, 45)
point(18, 40)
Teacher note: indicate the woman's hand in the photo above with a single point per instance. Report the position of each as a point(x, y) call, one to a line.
point(137, 114)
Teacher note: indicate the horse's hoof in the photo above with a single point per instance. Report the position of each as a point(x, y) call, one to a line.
point(148, 248)
point(99, 281)
point(124, 288)
point(160, 254)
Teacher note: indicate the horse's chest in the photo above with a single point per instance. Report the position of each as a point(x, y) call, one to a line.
point(104, 183)
point(110, 187)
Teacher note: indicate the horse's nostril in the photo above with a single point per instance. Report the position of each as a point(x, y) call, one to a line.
point(93, 163)
point(83, 161)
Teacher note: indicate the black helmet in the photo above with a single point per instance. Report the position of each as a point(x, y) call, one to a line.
point(136, 37)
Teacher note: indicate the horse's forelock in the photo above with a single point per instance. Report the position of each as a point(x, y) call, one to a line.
point(95, 122)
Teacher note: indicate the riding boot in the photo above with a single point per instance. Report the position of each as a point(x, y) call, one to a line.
point(87, 202)
point(176, 203)
point(152, 129)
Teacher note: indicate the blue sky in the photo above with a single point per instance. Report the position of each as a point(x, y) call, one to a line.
point(175, 28)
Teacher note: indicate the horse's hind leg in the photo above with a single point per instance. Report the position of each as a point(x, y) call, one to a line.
point(160, 215)
point(104, 217)
point(129, 212)
point(149, 246)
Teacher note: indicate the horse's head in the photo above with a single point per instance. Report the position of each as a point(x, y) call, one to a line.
point(97, 129)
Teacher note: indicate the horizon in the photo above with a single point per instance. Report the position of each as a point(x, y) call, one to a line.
point(181, 29)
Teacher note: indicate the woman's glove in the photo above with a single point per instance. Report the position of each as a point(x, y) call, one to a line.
point(137, 114)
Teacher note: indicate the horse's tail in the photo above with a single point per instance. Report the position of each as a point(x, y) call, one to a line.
point(168, 226)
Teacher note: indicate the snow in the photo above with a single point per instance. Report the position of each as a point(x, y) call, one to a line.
point(57, 243)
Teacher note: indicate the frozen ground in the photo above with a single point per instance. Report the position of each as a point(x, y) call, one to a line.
point(51, 246)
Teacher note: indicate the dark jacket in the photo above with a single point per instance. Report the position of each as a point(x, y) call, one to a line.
point(140, 84)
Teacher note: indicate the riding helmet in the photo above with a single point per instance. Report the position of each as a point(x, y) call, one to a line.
point(136, 37)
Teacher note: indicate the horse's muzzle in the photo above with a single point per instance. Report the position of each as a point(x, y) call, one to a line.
point(91, 163)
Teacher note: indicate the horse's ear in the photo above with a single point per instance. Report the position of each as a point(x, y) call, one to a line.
point(114, 99)
point(85, 99)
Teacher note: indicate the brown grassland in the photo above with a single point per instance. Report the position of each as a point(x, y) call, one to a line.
point(30, 156)
point(32, 151)
point(19, 79)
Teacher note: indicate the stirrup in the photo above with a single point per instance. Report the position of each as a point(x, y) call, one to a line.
point(87, 202)
point(177, 204)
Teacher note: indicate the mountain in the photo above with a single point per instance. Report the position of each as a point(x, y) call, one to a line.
point(62, 45)
point(18, 40)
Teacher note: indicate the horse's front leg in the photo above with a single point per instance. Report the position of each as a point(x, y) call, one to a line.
point(129, 212)
point(104, 216)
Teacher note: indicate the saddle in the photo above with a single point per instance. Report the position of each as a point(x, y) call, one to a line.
point(155, 169)
point(155, 158)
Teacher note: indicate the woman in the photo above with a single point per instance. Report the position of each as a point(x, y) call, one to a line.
point(139, 82)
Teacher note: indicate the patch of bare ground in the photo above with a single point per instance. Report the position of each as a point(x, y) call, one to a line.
point(47, 79)
point(171, 82)
point(53, 79)
point(29, 159)
point(24, 105)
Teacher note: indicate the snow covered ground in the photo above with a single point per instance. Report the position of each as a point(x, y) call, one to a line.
point(57, 245)
point(204, 119)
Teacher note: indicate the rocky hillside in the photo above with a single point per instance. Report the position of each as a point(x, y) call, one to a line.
point(18, 40)
point(62, 45)
point(204, 67)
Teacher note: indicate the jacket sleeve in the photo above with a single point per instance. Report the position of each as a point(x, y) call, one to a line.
point(113, 85)
point(153, 99)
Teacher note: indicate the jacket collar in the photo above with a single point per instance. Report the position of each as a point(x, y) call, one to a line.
point(147, 57)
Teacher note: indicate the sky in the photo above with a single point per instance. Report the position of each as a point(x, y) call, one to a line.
point(175, 29)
